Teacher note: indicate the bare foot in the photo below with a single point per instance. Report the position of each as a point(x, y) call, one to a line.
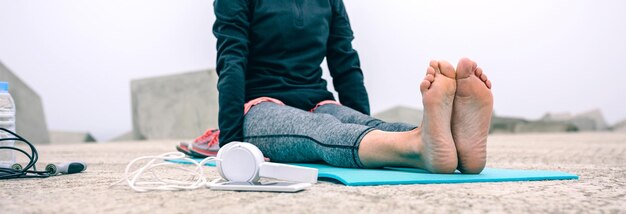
point(431, 146)
point(438, 88)
point(471, 116)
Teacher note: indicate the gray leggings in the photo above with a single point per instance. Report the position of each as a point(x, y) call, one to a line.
point(332, 133)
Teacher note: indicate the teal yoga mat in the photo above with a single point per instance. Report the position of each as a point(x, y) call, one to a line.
point(395, 176)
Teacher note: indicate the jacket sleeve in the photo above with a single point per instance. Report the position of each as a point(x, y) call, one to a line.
point(231, 29)
point(343, 61)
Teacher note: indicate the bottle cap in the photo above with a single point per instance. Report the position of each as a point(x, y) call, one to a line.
point(4, 86)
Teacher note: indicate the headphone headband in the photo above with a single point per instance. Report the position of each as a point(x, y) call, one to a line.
point(243, 162)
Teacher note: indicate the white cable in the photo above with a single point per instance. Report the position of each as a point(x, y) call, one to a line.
point(196, 180)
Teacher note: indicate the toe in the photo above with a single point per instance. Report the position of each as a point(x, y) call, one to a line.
point(479, 71)
point(430, 74)
point(435, 65)
point(464, 68)
point(483, 77)
point(425, 85)
point(447, 69)
point(430, 78)
point(430, 70)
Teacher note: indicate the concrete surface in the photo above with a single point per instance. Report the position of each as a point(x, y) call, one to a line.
point(598, 158)
point(176, 106)
point(71, 137)
point(31, 121)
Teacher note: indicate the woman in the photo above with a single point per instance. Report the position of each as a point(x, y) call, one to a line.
point(271, 94)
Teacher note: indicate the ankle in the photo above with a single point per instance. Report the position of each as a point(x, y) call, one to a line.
point(414, 146)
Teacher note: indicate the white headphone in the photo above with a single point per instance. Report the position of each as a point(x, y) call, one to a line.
point(236, 161)
point(243, 162)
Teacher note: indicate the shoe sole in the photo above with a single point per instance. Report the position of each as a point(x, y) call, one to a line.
point(201, 154)
point(183, 148)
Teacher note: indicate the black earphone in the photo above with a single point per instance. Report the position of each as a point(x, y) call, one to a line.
point(65, 168)
point(17, 171)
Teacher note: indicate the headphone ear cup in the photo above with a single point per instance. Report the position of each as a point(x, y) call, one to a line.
point(240, 162)
point(257, 155)
point(220, 154)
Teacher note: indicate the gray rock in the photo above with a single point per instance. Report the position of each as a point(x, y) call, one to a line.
point(518, 125)
point(544, 126)
point(174, 107)
point(62, 137)
point(401, 114)
point(557, 116)
point(505, 124)
point(30, 119)
point(619, 126)
point(587, 121)
point(590, 121)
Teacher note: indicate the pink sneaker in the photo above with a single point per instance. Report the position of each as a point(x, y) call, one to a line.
point(204, 146)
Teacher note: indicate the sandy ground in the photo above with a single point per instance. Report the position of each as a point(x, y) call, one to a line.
point(598, 158)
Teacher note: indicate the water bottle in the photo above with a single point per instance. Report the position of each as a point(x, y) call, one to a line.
point(7, 121)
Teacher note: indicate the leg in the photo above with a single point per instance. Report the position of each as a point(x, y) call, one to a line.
point(287, 134)
point(471, 116)
point(348, 115)
point(428, 147)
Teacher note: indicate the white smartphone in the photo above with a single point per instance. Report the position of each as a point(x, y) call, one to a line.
point(260, 187)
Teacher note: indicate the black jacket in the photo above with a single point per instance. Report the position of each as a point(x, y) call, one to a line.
point(274, 48)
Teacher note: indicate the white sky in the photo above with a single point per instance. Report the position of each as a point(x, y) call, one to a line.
point(541, 56)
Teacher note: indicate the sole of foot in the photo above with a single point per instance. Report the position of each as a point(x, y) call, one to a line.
point(471, 116)
point(438, 90)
